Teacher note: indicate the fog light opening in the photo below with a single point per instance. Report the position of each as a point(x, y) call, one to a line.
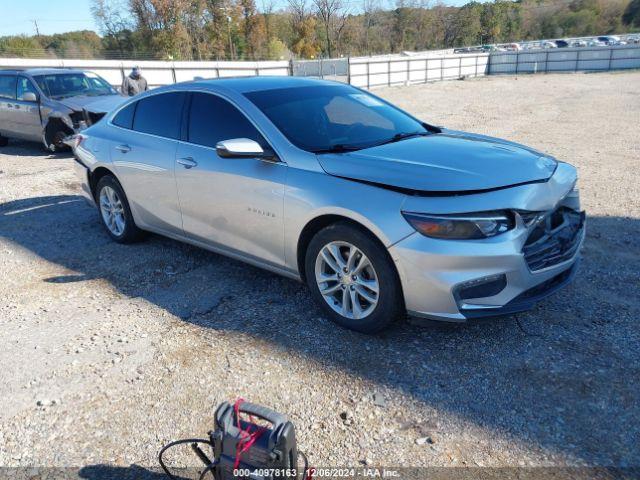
point(481, 287)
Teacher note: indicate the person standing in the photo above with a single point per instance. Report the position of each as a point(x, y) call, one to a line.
point(135, 83)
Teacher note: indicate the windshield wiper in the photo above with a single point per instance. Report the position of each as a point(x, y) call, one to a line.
point(339, 148)
point(402, 136)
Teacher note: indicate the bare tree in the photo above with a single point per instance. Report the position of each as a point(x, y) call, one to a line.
point(339, 27)
point(299, 11)
point(332, 16)
point(369, 9)
point(194, 19)
point(268, 6)
point(112, 19)
point(303, 25)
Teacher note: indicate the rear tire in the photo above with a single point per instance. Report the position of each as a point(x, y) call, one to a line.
point(344, 260)
point(115, 213)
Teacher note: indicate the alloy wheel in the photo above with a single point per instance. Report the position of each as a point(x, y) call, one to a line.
point(347, 280)
point(112, 211)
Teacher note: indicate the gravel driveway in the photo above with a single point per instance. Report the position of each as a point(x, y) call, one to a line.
point(109, 351)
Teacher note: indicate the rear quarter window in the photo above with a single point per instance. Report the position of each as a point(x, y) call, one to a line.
point(124, 118)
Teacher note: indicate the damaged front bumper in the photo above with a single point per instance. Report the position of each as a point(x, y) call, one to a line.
point(457, 280)
point(76, 122)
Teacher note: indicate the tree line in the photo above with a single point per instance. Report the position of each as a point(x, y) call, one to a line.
point(242, 29)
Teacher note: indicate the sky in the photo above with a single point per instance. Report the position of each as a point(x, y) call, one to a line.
point(57, 16)
point(52, 16)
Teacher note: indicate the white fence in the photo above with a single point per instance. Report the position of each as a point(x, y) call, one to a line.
point(366, 72)
point(566, 60)
point(157, 73)
point(369, 72)
point(376, 72)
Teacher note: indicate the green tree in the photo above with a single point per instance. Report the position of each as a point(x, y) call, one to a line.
point(631, 15)
point(21, 46)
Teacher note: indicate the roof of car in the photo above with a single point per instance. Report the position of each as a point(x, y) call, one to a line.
point(254, 84)
point(41, 71)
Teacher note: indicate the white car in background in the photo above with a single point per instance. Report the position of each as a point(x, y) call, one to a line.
point(611, 40)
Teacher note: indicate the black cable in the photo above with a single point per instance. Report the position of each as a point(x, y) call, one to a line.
point(181, 442)
point(305, 470)
point(207, 470)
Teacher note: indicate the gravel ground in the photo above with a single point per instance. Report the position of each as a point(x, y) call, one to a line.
point(109, 351)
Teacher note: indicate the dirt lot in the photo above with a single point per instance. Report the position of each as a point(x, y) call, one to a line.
point(109, 351)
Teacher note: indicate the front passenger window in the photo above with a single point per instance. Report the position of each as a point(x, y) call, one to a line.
point(24, 86)
point(213, 119)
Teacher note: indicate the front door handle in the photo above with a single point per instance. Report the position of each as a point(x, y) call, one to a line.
point(187, 162)
point(123, 148)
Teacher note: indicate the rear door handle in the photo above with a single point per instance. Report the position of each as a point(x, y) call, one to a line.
point(187, 162)
point(123, 148)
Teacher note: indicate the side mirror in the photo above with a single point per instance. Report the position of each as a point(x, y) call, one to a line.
point(239, 148)
point(29, 97)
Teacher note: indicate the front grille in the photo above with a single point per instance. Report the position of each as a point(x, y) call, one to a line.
point(554, 239)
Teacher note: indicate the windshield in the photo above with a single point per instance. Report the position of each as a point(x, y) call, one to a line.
point(332, 118)
point(61, 85)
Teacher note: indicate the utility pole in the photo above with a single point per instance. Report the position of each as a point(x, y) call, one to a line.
point(35, 23)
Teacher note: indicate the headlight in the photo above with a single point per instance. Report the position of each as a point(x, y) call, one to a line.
point(460, 227)
point(67, 121)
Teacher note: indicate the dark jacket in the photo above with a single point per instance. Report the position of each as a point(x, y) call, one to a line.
point(132, 86)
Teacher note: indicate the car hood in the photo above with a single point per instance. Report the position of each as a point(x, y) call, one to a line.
point(100, 104)
point(450, 161)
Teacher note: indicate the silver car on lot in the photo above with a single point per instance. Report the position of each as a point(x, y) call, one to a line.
point(49, 104)
point(378, 212)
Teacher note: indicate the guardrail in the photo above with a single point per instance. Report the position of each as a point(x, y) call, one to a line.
point(157, 73)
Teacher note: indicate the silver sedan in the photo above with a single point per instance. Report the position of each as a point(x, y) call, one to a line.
point(378, 212)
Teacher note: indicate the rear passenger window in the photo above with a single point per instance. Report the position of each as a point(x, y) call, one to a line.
point(213, 119)
point(8, 86)
point(159, 114)
point(124, 118)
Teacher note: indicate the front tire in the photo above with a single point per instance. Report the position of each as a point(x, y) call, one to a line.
point(115, 212)
point(54, 136)
point(57, 142)
point(353, 279)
